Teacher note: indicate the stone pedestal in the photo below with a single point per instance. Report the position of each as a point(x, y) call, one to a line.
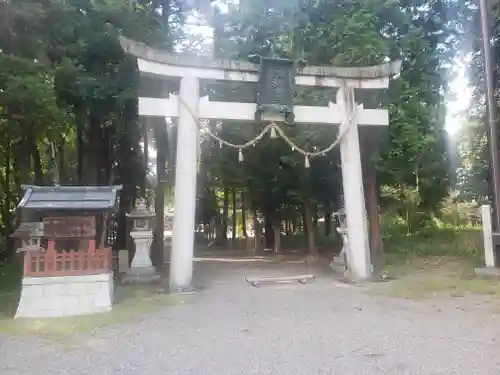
point(141, 270)
point(489, 273)
point(167, 250)
point(339, 263)
point(489, 248)
point(44, 297)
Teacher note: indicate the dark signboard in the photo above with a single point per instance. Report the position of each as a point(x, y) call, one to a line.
point(69, 227)
point(276, 86)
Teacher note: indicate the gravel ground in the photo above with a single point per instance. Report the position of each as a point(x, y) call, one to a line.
point(229, 327)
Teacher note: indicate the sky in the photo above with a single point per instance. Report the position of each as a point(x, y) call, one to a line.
point(456, 108)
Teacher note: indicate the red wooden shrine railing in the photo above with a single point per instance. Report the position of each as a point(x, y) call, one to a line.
point(70, 263)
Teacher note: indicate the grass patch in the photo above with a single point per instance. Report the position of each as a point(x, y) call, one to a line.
point(130, 303)
point(455, 242)
point(434, 276)
point(435, 262)
point(10, 288)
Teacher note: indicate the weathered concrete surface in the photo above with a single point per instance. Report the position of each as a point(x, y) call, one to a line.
point(43, 297)
point(230, 327)
point(143, 51)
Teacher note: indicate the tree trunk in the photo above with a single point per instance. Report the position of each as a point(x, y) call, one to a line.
point(126, 203)
point(108, 167)
point(376, 243)
point(80, 155)
point(7, 218)
point(268, 233)
point(162, 149)
point(146, 158)
point(303, 223)
point(206, 230)
point(225, 214)
point(219, 230)
point(127, 152)
point(328, 220)
point(63, 178)
point(257, 231)
point(21, 162)
point(277, 237)
point(234, 222)
point(37, 166)
point(93, 150)
point(308, 223)
point(104, 160)
point(244, 216)
point(315, 217)
point(35, 156)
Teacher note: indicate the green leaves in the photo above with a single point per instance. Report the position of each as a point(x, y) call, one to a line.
point(350, 33)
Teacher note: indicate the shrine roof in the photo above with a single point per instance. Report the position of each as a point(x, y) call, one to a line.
point(69, 198)
point(146, 52)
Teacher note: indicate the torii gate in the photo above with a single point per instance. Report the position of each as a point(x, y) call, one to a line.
point(160, 64)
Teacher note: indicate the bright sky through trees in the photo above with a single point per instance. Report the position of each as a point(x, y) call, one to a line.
point(457, 107)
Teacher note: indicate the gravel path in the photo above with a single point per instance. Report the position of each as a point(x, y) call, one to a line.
point(231, 328)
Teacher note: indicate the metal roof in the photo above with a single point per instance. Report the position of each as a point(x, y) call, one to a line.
point(64, 198)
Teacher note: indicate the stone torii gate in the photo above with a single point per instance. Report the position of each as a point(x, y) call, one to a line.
point(161, 65)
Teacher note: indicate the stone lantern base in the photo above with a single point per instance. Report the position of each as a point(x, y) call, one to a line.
point(141, 270)
point(141, 275)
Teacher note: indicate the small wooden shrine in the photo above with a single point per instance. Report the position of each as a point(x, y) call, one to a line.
point(67, 268)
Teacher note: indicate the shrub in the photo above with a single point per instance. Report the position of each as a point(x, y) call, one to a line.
point(458, 242)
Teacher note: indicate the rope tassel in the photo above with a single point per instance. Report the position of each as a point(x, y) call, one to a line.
point(306, 162)
point(240, 156)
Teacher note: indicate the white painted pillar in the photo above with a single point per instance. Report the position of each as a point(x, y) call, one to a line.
point(489, 254)
point(358, 251)
point(181, 259)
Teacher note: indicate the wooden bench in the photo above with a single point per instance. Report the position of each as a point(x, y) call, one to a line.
point(256, 281)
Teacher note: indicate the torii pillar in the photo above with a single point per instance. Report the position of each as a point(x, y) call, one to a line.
point(181, 258)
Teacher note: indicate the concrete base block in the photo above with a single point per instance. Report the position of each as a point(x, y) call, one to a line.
point(338, 266)
point(141, 275)
point(44, 297)
point(131, 279)
point(123, 263)
point(186, 290)
point(167, 249)
point(491, 273)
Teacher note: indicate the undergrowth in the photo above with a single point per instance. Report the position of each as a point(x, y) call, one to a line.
point(454, 242)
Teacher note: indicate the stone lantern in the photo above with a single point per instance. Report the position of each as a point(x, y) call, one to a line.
point(141, 268)
point(339, 263)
